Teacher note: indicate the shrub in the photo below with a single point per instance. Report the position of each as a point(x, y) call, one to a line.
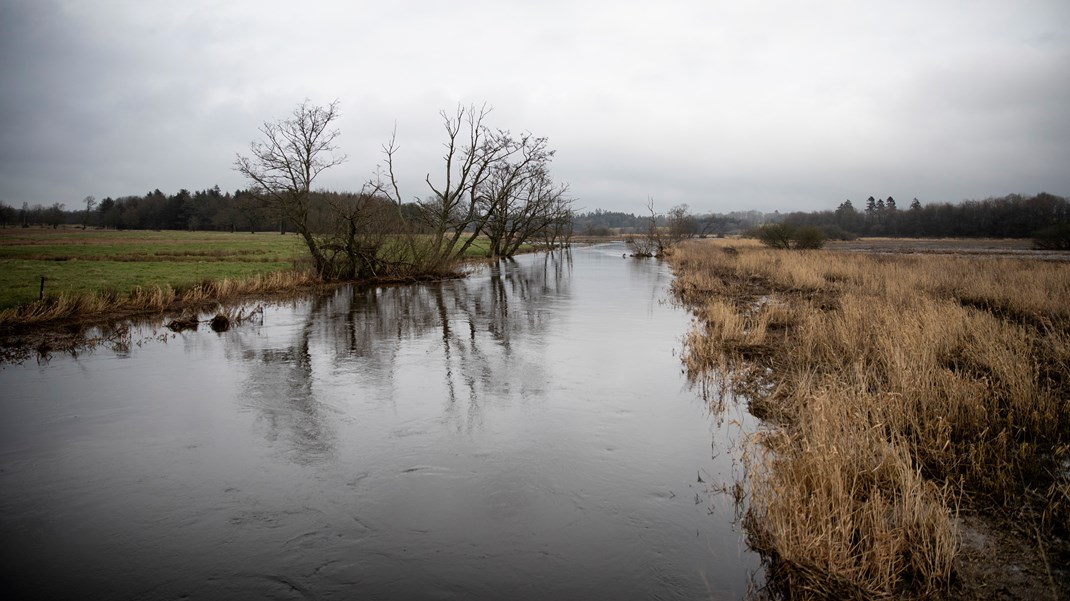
point(774, 235)
point(782, 235)
point(808, 237)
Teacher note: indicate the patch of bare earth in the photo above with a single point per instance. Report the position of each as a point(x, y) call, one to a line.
point(1002, 561)
point(977, 247)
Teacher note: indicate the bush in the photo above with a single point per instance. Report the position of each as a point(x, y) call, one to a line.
point(808, 238)
point(1056, 237)
point(782, 235)
point(774, 235)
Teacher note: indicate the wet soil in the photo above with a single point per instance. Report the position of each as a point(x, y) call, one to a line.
point(1001, 560)
point(985, 247)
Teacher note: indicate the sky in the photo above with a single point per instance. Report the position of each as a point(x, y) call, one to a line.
point(723, 106)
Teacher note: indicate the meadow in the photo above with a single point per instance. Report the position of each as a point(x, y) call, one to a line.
point(907, 401)
point(76, 262)
point(93, 274)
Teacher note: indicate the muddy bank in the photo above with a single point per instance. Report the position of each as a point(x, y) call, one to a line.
point(966, 247)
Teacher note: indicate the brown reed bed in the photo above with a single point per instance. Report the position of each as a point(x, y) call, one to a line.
point(62, 320)
point(898, 394)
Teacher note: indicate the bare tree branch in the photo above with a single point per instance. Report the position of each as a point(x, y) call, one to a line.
point(288, 158)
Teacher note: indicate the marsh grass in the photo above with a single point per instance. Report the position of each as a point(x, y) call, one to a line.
point(896, 390)
point(110, 304)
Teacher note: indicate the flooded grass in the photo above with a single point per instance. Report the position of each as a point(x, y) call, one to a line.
point(899, 392)
point(72, 323)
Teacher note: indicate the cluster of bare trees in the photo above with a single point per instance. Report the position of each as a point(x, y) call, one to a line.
point(656, 241)
point(494, 185)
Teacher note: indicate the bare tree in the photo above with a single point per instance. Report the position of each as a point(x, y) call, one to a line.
point(285, 162)
point(492, 184)
point(681, 224)
point(54, 215)
point(558, 232)
point(454, 213)
point(521, 200)
point(454, 210)
point(90, 202)
point(648, 243)
point(356, 236)
point(657, 241)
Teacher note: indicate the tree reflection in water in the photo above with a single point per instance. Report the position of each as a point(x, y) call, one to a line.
point(355, 342)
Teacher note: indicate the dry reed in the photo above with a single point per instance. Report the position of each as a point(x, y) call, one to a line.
point(153, 299)
point(891, 382)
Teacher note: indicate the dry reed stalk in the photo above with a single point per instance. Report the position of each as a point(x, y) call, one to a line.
point(935, 371)
point(153, 299)
point(837, 501)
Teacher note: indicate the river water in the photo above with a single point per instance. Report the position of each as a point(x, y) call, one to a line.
point(525, 433)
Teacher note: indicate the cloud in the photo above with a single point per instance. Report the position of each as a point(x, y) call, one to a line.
point(722, 105)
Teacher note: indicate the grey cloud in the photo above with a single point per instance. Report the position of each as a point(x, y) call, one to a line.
point(720, 105)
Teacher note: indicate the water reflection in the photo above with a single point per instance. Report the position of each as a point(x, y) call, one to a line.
point(467, 328)
point(278, 385)
point(524, 433)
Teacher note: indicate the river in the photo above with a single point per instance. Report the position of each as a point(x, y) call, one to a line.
point(524, 433)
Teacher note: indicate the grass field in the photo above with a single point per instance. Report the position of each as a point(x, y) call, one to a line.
point(97, 273)
point(76, 262)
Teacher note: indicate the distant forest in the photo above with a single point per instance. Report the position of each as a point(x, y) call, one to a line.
point(1011, 216)
point(203, 210)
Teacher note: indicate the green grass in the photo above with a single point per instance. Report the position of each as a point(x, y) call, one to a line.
point(76, 261)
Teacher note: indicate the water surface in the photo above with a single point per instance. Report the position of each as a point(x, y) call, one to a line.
point(525, 433)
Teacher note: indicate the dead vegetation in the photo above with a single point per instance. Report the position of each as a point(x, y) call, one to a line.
point(153, 299)
point(69, 323)
point(220, 322)
point(898, 394)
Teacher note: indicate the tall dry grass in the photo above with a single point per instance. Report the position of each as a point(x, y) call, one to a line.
point(108, 304)
point(897, 388)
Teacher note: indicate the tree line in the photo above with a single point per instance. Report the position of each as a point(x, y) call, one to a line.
point(1041, 217)
point(1011, 216)
point(210, 209)
point(610, 223)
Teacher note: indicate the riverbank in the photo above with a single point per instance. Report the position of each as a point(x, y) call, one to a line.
point(59, 289)
point(916, 411)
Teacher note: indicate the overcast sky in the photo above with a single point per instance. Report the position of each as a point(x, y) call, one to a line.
point(722, 105)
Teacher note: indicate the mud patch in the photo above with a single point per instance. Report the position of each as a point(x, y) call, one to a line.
point(1004, 561)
